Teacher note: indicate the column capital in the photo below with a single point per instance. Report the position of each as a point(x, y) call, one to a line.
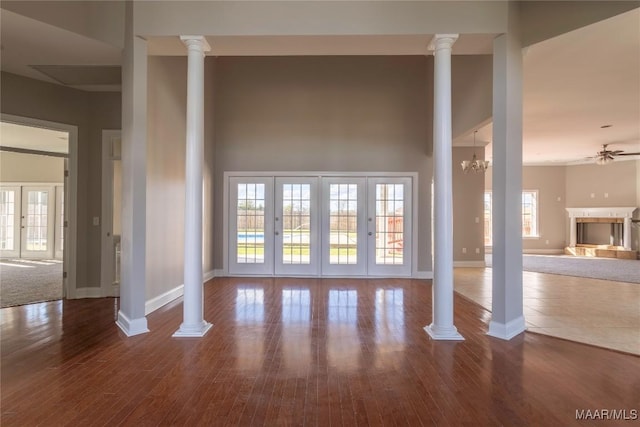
point(442, 41)
point(196, 42)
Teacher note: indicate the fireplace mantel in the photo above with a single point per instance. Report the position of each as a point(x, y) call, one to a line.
point(601, 212)
point(604, 213)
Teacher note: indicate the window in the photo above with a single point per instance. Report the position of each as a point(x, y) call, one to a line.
point(487, 218)
point(529, 215)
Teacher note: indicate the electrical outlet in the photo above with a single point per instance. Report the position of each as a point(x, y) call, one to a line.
point(606, 195)
point(559, 199)
point(546, 242)
point(96, 220)
point(477, 250)
point(464, 250)
point(477, 220)
point(593, 195)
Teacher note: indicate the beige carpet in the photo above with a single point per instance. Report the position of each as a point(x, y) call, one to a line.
point(24, 281)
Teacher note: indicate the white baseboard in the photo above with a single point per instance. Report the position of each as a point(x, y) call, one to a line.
point(543, 251)
point(469, 264)
point(423, 275)
point(88, 293)
point(210, 275)
point(220, 272)
point(163, 299)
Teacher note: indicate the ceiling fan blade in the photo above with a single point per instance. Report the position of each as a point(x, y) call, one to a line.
point(628, 154)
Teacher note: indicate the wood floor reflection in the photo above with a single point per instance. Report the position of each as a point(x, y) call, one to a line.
point(298, 352)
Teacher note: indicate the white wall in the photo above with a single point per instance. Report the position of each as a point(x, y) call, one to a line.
point(20, 167)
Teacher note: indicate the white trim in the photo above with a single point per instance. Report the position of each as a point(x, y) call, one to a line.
point(208, 275)
point(542, 251)
point(89, 292)
point(71, 195)
point(508, 330)
point(218, 272)
point(450, 334)
point(619, 212)
point(163, 299)
point(131, 327)
point(469, 264)
point(107, 255)
point(423, 275)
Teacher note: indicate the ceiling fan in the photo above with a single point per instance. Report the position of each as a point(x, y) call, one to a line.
point(606, 156)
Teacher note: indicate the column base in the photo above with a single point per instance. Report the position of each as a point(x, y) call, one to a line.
point(439, 333)
point(131, 327)
point(506, 331)
point(190, 331)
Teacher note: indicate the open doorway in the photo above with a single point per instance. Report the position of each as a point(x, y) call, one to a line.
point(37, 205)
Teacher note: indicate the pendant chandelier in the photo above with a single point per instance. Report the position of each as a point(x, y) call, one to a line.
point(474, 164)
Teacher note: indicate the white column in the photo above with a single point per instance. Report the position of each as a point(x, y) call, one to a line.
point(193, 324)
point(131, 316)
point(573, 231)
point(627, 233)
point(507, 319)
point(442, 327)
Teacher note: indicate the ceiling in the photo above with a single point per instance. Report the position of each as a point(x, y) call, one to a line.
point(573, 84)
point(32, 138)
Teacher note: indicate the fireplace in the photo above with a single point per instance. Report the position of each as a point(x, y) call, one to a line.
point(601, 232)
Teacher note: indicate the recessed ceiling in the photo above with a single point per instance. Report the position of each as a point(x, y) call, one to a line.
point(27, 42)
point(33, 138)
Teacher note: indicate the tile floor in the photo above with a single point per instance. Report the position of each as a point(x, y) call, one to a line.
point(598, 312)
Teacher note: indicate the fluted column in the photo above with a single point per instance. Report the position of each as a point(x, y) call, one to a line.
point(193, 324)
point(442, 327)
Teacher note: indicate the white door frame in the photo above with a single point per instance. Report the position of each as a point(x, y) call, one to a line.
point(17, 210)
point(107, 244)
point(70, 195)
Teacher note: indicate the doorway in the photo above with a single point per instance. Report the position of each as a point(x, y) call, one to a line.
point(312, 225)
point(37, 218)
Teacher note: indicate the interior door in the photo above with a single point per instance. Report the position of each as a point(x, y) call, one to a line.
point(9, 222)
point(38, 222)
point(344, 226)
point(251, 230)
point(389, 226)
point(296, 226)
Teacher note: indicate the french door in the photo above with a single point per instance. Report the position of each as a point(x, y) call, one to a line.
point(312, 225)
point(31, 221)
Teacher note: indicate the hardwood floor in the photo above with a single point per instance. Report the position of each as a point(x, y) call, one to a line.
point(299, 352)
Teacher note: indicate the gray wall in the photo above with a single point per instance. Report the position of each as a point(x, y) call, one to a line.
point(471, 92)
point(573, 186)
point(166, 176)
point(325, 114)
point(90, 112)
point(468, 204)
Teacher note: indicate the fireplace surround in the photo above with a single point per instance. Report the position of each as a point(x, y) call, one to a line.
point(618, 219)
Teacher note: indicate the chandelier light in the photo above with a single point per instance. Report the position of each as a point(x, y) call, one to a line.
point(474, 164)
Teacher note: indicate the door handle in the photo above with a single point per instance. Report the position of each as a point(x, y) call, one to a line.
point(370, 233)
point(277, 233)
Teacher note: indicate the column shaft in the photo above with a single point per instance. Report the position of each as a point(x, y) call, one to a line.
point(193, 324)
point(442, 327)
point(507, 319)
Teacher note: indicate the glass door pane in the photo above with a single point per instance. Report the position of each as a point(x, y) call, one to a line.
point(251, 226)
point(37, 222)
point(9, 222)
point(390, 226)
point(344, 226)
point(295, 225)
